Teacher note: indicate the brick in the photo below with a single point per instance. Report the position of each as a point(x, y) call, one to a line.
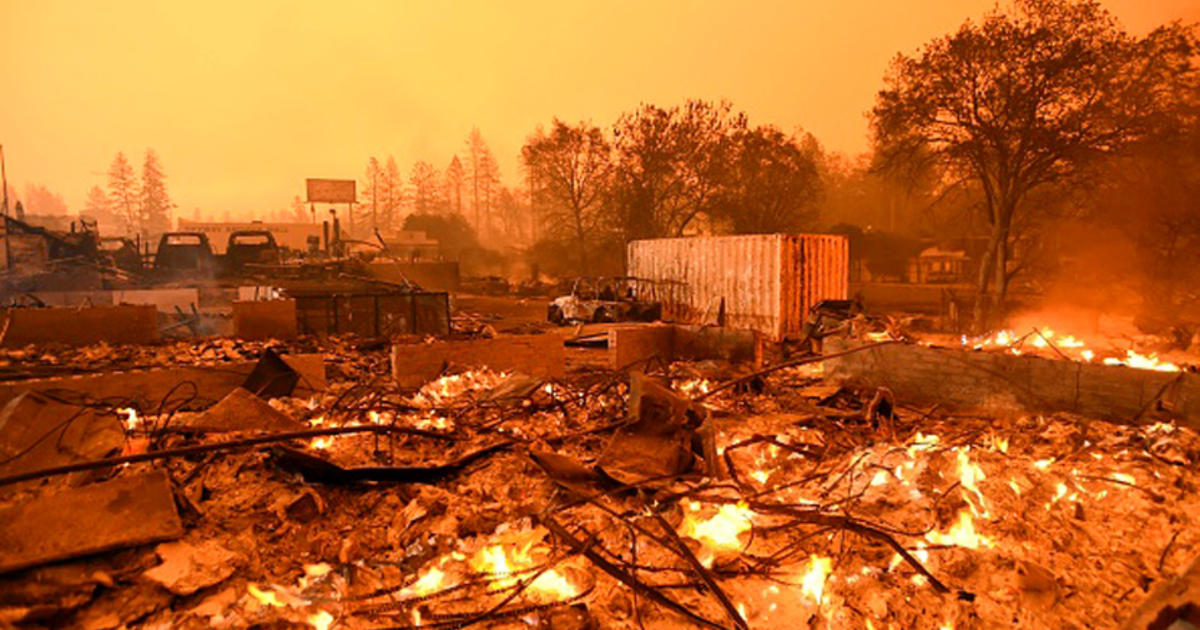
point(542, 356)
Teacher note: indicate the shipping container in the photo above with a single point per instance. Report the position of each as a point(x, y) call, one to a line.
point(766, 281)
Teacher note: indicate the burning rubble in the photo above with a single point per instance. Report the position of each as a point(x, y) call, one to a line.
point(764, 499)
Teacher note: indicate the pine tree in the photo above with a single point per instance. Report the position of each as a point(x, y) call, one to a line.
point(155, 214)
point(475, 149)
point(424, 180)
point(372, 193)
point(393, 193)
point(96, 207)
point(123, 193)
point(455, 177)
point(487, 178)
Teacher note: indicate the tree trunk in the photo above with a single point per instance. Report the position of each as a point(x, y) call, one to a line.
point(983, 304)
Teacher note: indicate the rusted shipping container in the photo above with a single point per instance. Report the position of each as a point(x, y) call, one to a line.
point(767, 281)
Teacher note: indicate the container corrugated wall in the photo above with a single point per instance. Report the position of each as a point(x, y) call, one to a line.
point(768, 281)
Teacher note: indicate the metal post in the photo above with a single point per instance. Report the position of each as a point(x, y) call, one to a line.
point(4, 184)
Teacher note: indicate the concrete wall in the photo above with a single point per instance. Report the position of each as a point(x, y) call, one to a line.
point(271, 319)
point(165, 300)
point(542, 356)
point(80, 326)
point(635, 345)
point(967, 379)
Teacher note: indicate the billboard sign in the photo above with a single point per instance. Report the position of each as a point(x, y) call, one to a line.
point(330, 190)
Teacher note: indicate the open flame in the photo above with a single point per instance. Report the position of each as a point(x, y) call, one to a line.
point(718, 533)
point(961, 534)
point(509, 562)
point(1040, 338)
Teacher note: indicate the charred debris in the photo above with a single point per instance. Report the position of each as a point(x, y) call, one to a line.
point(509, 474)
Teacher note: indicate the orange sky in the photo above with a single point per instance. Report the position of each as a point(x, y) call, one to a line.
point(243, 100)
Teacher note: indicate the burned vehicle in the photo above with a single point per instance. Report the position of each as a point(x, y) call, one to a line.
point(619, 299)
point(250, 247)
point(184, 254)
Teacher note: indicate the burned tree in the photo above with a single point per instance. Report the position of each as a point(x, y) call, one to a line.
point(1026, 99)
point(569, 169)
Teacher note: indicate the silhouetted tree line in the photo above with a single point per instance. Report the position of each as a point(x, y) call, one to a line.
point(661, 172)
point(136, 204)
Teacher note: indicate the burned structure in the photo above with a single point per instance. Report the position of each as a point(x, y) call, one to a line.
point(359, 453)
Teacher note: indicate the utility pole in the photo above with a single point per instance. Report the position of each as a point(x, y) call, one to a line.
point(4, 184)
point(374, 197)
point(4, 177)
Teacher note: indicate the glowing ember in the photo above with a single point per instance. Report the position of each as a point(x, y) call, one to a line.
point(266, 598)
point(321, 620)
point(452, 386)
point(693, 386)
point(1125, 477)
point(132, 421)
point(321, 443)
point(813, 582)
point(507, 562)
point(719, 533)
point(961, 534)
point(431, 582)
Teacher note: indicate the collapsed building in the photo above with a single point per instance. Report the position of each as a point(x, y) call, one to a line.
point(358, 453)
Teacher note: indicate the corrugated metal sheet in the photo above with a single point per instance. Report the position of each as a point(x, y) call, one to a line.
point(767, 281)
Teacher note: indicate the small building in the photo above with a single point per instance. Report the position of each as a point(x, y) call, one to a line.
point(935, 265)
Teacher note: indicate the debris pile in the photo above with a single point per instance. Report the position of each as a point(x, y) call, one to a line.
point(692, 496)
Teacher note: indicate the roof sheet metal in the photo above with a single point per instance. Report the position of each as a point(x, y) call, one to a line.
point(767, 281)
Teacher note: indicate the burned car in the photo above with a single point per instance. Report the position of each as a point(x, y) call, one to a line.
point(617, 299)
point(184, 254)
point(253, 247)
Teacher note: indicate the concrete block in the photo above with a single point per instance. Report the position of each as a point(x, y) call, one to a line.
point(147, 388)
point(542, 356)
point(700, 343)
point(80, 326)
point(273, 319)
point(630, 346)
point(637, 344)
point(125, 512)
